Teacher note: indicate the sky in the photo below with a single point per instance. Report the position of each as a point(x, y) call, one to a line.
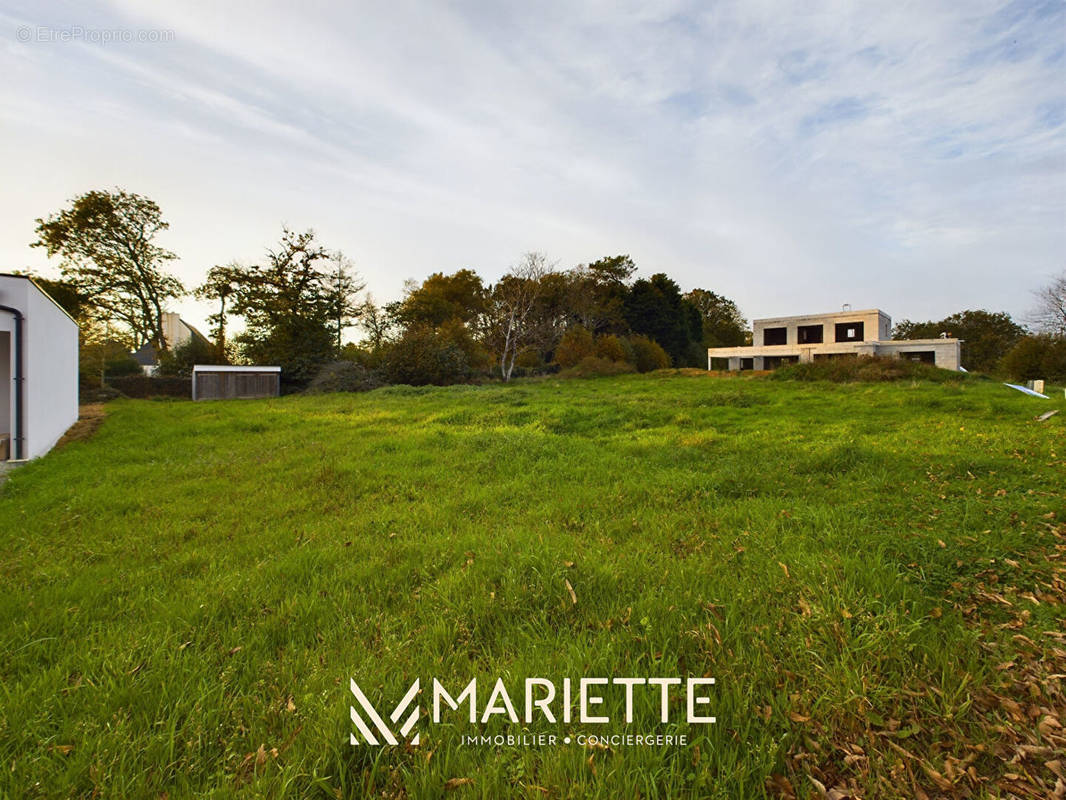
point(909, 156)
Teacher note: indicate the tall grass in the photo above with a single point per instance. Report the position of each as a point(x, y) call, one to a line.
point(188, 593)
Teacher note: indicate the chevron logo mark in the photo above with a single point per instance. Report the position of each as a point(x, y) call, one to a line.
point(384, 734)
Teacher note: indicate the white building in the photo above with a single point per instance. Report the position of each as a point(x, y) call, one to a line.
point(38, 369)
point(785, 340)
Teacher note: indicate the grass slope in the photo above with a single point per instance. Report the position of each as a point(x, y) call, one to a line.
point(187, 593)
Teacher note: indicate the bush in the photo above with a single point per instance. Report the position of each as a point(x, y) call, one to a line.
point(343, 376)
point(614, 348)
point(89, 393)
point(143, 386)
point(596, 367)
point(864, 369)
point(576, 344)
point(1036, 357)
point(648, 355)
point(422, 356)
point(184, 357)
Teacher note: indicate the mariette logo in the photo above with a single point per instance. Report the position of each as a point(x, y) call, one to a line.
point(541, 698)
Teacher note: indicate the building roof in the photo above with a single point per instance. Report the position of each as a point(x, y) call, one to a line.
point(37, 286)
point(145, 355)
point(229, 368)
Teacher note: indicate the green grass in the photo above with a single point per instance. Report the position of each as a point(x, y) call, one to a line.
point(199, 580)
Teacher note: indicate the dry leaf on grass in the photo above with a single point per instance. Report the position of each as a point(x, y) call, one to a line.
point(569, 588)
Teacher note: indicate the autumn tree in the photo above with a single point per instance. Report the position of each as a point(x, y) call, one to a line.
point(106, 243)
point(441, 298)
point(512, 324)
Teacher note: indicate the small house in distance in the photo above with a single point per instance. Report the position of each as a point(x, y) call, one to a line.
point(38, 369)
point(211, 382)
point(788, 340)
point(176, 332)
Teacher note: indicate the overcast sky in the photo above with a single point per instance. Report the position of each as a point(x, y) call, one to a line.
point(793, 156)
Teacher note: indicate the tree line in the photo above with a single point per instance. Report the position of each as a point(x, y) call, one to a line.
point(299, 300)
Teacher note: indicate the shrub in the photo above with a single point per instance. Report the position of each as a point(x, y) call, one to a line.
point(576, 344)
point(88, 393)
point(1037, 357)
point(184, 357)
point(614, 348)
point(596, 367)
point(343, 376)
point(648, 355)
point(864, 369)
point(422, 356)
point(143, 386)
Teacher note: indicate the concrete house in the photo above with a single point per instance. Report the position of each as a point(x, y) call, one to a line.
point(38, 369)
point(786, 340)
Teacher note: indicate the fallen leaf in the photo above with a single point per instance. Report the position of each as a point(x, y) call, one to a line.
point(569, 588)
point(784, 568)
point(455, 783)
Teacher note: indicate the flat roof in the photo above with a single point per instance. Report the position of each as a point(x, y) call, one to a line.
point(827, 315)
point(228, 368)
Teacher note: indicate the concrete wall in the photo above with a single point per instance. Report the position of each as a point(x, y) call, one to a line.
point(946, 352)
point(876, 325)
point(50, 364)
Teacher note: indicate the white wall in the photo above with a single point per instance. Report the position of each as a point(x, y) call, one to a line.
point(50, 364)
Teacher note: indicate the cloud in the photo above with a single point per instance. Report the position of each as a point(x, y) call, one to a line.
point(906, 157)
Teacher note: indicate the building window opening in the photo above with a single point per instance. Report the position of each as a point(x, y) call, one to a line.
point(849, 332)
point(810, 334)
point(771, 336)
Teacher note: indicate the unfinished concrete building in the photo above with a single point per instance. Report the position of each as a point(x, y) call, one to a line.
point(788, 340)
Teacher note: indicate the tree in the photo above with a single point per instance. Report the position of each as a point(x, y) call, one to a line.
point(595, 294)
point(986, 336)
point(343, 286)
point(655, 308)
point(512, 324)
point(1041, 356)
point(377, 322)
point(1049, 316)
point(723, 324)
point(220, 285)
point(288, 304)
point(105, 241)
point(441, 298)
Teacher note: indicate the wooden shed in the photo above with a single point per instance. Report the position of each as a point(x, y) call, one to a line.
point(211, 382)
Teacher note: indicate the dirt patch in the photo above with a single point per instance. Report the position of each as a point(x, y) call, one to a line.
point(90, 418)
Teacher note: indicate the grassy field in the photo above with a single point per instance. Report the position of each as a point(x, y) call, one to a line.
point(874, 574)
